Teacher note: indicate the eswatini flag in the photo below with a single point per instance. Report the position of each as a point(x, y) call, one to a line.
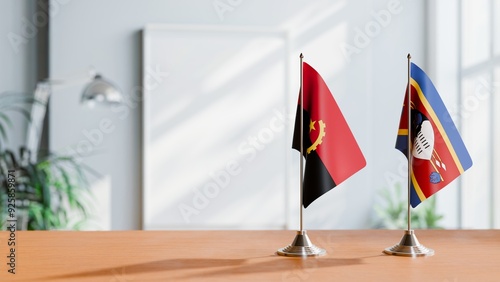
point(330, 150)
point(438, 154)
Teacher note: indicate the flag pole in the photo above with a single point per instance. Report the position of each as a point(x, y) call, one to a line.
point(409, 140)
point(301, 245)
point(301, 185)
point(409, 245)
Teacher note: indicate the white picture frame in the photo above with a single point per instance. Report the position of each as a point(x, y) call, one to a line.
point(217, 125)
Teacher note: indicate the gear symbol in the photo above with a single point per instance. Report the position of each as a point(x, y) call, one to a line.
point(319, 140)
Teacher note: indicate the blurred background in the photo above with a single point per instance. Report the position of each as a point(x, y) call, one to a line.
point(202, 136)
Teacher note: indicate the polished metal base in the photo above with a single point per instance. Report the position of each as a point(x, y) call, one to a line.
point(409, 247)
point(301, 247)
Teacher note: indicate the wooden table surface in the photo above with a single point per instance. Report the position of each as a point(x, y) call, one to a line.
point(461, 255)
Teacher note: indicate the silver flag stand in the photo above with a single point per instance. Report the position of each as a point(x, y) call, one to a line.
point(409, 245)
point(301, 245)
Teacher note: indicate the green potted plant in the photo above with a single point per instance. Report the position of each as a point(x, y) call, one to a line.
point(392, 213)
point(51, 192)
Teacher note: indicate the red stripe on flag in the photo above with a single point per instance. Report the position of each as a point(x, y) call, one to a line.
point(423, 168)
point(339, 150)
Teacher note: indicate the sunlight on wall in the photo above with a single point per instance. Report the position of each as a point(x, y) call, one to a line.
point(218, 133)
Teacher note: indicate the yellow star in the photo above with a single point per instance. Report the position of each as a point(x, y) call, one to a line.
point(311, 125)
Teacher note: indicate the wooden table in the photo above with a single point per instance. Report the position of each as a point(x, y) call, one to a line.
point(247, 256)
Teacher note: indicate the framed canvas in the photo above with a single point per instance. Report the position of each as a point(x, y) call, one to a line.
point(217, 124)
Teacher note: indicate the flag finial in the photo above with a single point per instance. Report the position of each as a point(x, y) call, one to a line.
point(409, 56)
point(301, 56)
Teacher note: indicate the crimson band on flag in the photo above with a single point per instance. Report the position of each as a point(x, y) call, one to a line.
point(331, 152)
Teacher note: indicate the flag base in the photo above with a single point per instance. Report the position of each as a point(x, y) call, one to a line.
point(409, 247)
point(301, 247)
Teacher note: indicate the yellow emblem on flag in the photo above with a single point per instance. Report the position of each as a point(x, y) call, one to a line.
point(321, 134)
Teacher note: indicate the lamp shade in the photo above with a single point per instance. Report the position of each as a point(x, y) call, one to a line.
point(102, 91)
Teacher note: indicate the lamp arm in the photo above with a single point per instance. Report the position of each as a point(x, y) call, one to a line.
point(98, 88)
point(38, 110)
point(42, 93)
point(74, 80)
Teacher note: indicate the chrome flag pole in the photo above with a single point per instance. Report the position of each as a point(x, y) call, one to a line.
point(301, 245)
point(409, 245)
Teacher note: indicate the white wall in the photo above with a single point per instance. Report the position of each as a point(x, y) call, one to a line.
point(17, 58)
point(368, 85)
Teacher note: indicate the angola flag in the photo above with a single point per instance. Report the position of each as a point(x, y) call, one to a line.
point(330, 150)
point(438, 154)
